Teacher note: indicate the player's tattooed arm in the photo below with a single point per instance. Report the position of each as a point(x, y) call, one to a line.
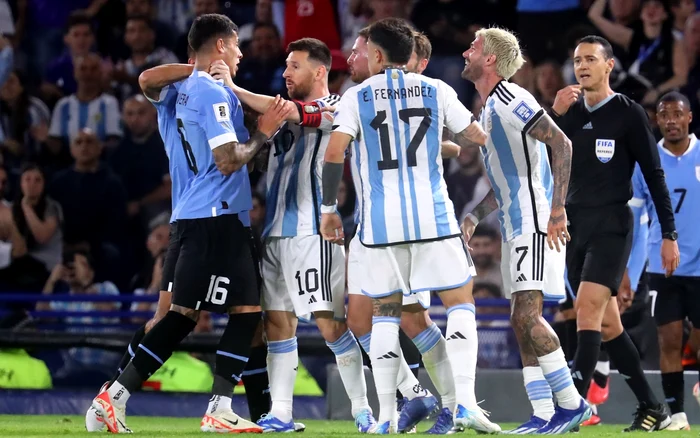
point(154, 79)
point(486, 206)
point(472, 136)
point(382, 308)
point(230, 157)
point(546, 131)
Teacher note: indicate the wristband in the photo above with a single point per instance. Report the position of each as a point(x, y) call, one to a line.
point(329, 209)
point(473, 219)
point(309, 113)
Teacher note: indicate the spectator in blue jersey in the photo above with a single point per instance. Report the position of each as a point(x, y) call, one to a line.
point(94, 203)
point(79, 40)
point(89, 108)
point(674, 298)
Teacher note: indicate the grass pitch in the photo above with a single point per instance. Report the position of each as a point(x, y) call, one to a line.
point(73, 426)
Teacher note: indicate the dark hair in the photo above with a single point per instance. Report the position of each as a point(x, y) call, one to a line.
point(142, 18)
point(317, 50)
point(486, 231)
point(208, 27)
point(675, 96)
point(69, 255)
point(395, 37)
point(602, 42)
point(261, 25)
point(18, 116)
point(39, 208)
point(77, 18)
point(423, 48)
point(364, 32)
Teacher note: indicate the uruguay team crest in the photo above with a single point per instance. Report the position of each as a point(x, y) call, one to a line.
point(697, 172)
point(604, 149)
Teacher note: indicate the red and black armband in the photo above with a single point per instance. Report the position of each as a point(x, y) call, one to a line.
point(309, 114)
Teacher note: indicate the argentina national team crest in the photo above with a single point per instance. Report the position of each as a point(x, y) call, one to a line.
point(604, 149)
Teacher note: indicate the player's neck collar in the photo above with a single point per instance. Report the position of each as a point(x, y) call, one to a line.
point(500, 83)
point(392, 67)
point(204, 74)
point(691, 145)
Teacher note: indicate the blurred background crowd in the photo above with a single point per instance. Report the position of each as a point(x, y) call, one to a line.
point(86, 211)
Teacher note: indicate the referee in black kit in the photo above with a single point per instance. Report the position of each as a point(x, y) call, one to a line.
point(609, 133)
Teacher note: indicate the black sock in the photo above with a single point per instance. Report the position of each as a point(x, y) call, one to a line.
point(130, 351)
point(411, 354)
point(600, 379)
point(233, 351)
point(559, 328)
point(157, 347)
point(625, 357)
point(603, 356)
point(585, 359)
point(257, 383)
point(673, 390)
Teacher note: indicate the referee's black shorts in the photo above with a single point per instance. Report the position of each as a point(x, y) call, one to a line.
point(601, 241)
point(211, 264)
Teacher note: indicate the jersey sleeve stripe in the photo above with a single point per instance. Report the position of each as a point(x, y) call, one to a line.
point(636, 202)
point(499, 94)
point(506, 92)
point(222, 139)
point(533, 120)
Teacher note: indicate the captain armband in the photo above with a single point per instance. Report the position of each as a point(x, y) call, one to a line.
point(309, 114)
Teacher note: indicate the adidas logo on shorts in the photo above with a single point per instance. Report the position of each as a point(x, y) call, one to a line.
point(313, 300)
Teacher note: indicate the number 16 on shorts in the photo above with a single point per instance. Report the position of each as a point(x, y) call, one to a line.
point(216, 294)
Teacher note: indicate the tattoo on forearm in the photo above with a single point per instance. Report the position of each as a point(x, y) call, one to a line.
point(471, 136)
point(546, 131)
point(386, 309)
point(332, 174)
point(232, 156)
point(486, 206)
point(529, 325)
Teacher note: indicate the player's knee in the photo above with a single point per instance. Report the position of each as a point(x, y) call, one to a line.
point(330, 329)
point(279, 325)
point(454, 297)
point(190, 313)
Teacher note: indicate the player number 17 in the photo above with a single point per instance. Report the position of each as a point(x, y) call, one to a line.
point(388, 163)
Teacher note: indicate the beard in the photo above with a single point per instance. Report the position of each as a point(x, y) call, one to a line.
point(472, 72)
point(300, 91)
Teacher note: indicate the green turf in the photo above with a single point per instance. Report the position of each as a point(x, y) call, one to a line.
point(69, 426)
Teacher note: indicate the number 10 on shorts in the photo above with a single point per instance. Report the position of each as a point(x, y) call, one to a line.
point(217, 294)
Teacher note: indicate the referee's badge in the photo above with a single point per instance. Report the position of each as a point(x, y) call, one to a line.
point(604, 149)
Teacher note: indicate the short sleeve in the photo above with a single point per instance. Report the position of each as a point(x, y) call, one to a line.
point(112, 117)
point(57, 119)
point(517, 107)
point(347, 116)
point(215, 106)
point(167, 96)
point(457, 116)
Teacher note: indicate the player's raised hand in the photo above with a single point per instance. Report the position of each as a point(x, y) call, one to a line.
point(220, 71)
point(274, 116)
point(557, 233)
point(332, 228)
point(670, 256)
point(565, 98)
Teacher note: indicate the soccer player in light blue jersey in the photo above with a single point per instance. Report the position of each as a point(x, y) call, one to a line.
point(215, 267)
point(407, 222)
point(529, 197)
point(673, 298)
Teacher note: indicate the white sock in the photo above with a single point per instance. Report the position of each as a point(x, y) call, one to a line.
point(433, 347)
point(409, 386)
point(118, 394)
point(386, 355)
point(462, 349)
point(349, 359)
point(219, 403)
point(539, 392)
point(558, 375)
point(282, 363)
point(603, 367)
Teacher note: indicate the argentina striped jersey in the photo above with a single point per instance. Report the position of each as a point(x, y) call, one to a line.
point(517, 165)
point(294, 177)
point(397, 120)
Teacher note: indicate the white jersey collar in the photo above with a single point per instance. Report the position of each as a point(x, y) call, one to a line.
point(693, 143)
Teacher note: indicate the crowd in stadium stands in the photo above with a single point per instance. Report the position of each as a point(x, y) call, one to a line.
point(100, 196)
